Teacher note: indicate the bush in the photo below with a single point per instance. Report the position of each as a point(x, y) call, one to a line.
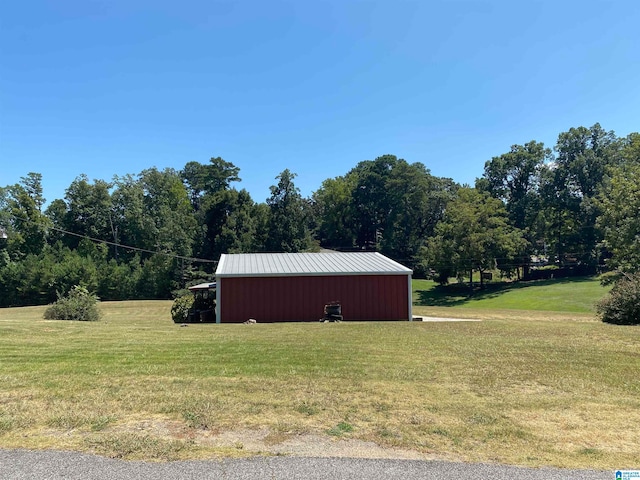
point(609, 278)
point(622, 305)
point(180, 308)
point(78, 304)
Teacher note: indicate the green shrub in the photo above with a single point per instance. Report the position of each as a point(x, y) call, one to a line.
point(78, 304)
point(609, 278)
point(622, 305)
point(180, 308)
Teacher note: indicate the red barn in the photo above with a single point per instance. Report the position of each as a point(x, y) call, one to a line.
point(277, 287)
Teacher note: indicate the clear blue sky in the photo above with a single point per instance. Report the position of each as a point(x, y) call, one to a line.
point(109, 87)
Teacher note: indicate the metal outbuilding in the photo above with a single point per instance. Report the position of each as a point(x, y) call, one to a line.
point(277, 287)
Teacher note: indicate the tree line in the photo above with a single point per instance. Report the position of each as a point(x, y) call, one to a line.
point(147, 235)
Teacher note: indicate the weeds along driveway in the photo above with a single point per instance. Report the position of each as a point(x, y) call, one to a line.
point(56, 465)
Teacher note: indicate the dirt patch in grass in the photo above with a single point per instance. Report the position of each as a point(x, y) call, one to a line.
point(308, 445)
point(169, 440)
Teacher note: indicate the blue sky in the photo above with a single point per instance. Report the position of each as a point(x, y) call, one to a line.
point(113, 87)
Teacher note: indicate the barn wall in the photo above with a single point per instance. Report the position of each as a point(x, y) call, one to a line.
point(276, 299)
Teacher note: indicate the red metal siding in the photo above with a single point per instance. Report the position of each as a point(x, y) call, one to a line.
point(277, 299)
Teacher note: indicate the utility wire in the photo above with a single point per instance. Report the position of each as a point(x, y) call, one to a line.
point(203, 260)
point(126, 247)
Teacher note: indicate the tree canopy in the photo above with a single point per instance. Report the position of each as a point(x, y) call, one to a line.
point(474, 235)
point(148, 234)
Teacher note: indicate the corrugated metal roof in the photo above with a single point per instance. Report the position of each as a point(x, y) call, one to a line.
point(204, 286)
point(301, 264)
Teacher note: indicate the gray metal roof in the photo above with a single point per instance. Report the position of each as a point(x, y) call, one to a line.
point(204, 286)
point(307, 264)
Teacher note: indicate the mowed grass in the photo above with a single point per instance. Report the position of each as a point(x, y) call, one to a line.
point(562, 390)
point(573, 295)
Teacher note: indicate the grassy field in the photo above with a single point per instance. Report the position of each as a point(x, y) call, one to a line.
point(572, 295)
point(521, 387)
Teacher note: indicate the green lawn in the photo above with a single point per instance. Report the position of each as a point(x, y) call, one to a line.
point(511, 389)
point(576, 295)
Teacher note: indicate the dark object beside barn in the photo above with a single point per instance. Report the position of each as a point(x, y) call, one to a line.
point(332, 312)
point(204, 303)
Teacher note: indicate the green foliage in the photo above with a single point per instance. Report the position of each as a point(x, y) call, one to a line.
point(474, 235)
point(568, 189)
point(340, 429)
point(88, 210)
point(229, 223)
point(386, 204)
point(208, 179)
point(575, 294)
point(116, 281)
point(155, 277)
point(610, 278)
point(584, 155)
point(180, 308)
point(513, 178)
point(552, 198)
point(416, 202)
point(288, 230)
point(622, 305)
point(620, 221)
point(23, 210)
point(370, 200)
point(172, 224)
point(396, 205)
point(334, 212)
point(36, 279)
point(576, 206)
point(79, 304)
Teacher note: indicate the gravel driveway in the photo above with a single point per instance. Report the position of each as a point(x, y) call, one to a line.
point(55, 465)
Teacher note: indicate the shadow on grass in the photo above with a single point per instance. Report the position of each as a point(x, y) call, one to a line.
point(459, 293)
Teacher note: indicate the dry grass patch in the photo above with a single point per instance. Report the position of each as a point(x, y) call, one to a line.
point(533, 389)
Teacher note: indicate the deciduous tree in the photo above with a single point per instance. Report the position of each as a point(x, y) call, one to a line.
point(619, 204)
point(474, 235)
point(569, 186)
point(288, 230)
point(89, 210)
point(27, 225)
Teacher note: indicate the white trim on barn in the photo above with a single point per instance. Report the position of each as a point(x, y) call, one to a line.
point(218, 297)
point(410, 288)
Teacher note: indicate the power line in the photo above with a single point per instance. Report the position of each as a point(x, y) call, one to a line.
point(126, 247)
point(137, 249)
